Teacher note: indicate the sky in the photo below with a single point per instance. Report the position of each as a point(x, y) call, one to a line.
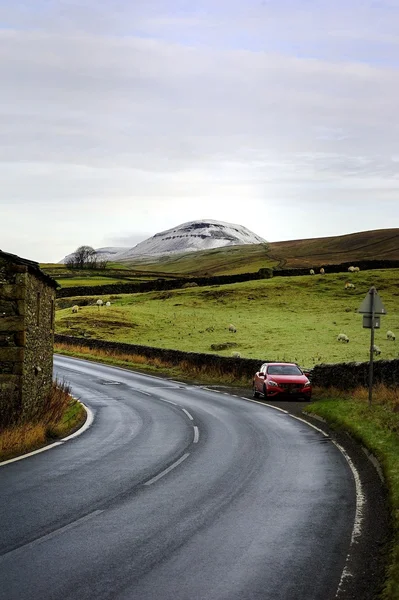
point(120, 119)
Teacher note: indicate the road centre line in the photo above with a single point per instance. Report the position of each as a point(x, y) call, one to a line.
point(196, 435)
point(168, 401)
point(168, 470)
point(188, 414)
point(145, 393)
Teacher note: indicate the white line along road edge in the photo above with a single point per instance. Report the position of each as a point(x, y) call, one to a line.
point(85, 426)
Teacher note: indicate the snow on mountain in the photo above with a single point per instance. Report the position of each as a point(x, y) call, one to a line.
point(187, 237)
point(192, 236)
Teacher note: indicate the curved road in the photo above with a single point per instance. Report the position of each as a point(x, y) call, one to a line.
point(175, 492)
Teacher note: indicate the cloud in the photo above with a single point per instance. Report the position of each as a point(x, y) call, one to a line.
point(149, 115)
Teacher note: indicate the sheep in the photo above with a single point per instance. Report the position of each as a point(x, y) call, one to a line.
point(232, 329)
point(108, 303)
point(75, 308)
point(356, 270)
point(351, 269)
point(99, 302)
point(349, 285)
point(391, 336)
point(311, 271)
point(236, 355)
point(376, 349)
point(342, 337)
point(322, 271)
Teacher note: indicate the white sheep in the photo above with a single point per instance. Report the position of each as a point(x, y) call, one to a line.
point(75, 308)
point(351, 269)
point(236, 355)
point(108, 303)
point(311, 271)
point(232, 329)
point(376, 349)
point(356, 270)
point(99, 302)
point(322, 271)
point(391, 336)
point(349, 285)
point(342, 337)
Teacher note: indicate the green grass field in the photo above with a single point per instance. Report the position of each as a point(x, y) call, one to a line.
point(291, 318)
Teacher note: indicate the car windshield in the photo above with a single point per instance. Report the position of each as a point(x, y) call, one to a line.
point(283, 370)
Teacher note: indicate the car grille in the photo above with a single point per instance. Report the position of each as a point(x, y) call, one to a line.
point(290, 386)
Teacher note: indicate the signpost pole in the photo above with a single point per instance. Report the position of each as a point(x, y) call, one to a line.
point(372, 293)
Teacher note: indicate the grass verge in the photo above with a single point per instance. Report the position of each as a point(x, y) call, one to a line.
point(60, 415)
point(377, 428)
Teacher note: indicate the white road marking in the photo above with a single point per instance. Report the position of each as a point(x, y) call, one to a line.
point(145, 393)
point(168, 470)
point(85, 426)
point(169, 401)
point(188, 414)
point(196, 435)
point(360, 503)
point(53, 534)
point(264, 404)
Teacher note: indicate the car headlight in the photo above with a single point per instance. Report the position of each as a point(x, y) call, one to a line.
point(307, 384)
point(272, 383)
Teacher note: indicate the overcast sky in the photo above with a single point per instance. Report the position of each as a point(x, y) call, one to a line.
point(120, 118)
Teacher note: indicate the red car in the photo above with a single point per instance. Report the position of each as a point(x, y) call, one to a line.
point(281, 380)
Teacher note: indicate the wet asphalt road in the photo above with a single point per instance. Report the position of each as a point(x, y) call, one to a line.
point(175, 492)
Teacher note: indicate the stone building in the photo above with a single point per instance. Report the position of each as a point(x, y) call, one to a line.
point(27, 298)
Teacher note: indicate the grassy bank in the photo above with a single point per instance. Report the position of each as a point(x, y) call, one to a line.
point(60, 415)
point(293, 319)
point(377, 428)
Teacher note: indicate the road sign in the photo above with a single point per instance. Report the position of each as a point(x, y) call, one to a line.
point(366, 306)
point(367, 322)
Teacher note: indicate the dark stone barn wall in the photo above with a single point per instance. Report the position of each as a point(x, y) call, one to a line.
point(26, 342)
point(12, 303)
point(38, 360)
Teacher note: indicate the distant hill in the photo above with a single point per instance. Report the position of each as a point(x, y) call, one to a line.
point(193, 236)
point(373, 245)
point(381, 244)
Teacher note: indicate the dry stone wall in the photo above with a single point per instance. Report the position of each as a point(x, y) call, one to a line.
point(344, 376)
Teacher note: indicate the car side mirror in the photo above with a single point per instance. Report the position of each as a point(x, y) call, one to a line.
point(261, 374)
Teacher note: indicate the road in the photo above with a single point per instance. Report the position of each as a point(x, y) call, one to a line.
point(175, 492)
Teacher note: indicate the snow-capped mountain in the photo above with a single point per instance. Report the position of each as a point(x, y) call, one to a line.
point(193, 236)
point(188, 237)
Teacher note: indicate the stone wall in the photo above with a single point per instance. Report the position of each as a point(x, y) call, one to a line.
point(26, 341)
point(39, 342)
point(12, 299)
point(239, 367)
point(345, 376)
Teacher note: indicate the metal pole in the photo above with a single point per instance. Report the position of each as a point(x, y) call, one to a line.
point(372, 291)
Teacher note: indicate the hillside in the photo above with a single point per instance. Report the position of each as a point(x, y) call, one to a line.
point(284, 318)
point(373, 245)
